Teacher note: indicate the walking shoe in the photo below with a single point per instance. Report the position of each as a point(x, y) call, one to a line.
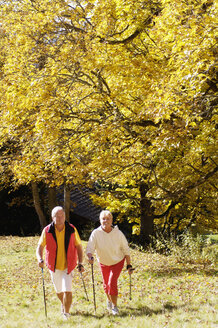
point(109, 305)
point(66, 316)
point(115, 310)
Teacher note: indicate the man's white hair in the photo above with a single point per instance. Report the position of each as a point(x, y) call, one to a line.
point(105, 213)
point(55, 210)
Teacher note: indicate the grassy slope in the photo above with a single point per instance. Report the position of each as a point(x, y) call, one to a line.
point(164, 293)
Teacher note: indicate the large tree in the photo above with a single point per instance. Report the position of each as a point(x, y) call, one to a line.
point(122, 93)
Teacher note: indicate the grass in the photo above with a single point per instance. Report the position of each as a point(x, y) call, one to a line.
point(165, 292)
point(212, 238)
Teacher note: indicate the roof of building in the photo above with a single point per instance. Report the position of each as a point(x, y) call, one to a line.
point(82, 205)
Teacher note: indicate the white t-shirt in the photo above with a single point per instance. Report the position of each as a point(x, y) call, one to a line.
point(110, 247)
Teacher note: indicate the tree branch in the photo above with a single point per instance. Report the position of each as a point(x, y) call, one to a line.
point(124, 41)
point(129, 38)
point(200, 181)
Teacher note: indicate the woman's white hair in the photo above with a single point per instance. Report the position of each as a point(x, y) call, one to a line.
point(105, 213)
point(55, 210)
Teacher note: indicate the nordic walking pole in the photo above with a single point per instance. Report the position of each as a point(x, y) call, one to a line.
point(130, 287)
point(130, 283)
point(84, 286)
point(43, 284)
point(93, 286)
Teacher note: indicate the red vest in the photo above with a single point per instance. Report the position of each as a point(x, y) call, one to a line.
point(51, 247)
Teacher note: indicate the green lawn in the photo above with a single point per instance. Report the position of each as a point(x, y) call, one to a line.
point(212, 238)
point(164, 293)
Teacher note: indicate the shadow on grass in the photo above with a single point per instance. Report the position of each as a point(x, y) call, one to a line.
point(88, 314)
point(147, 311)
point(133, 311)
point(159, 273)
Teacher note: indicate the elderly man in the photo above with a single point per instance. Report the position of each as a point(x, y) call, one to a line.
point(62, 248)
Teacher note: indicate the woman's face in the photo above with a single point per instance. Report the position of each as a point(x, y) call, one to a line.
point(106, 222)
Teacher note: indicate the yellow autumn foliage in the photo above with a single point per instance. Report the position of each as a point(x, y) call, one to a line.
point(119, 92)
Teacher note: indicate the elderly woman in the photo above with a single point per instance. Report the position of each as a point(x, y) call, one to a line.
point(112, 250)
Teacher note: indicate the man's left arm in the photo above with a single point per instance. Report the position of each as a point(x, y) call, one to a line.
point(80, 257)
point(79, 249)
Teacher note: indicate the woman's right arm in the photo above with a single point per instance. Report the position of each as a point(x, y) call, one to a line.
point(90, 249)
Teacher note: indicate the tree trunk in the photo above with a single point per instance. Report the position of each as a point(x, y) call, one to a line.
point(38, 208)
point(67, 202)
point(52, 199)
point(147, 215)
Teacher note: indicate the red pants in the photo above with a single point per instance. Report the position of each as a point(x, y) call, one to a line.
point(110, 274)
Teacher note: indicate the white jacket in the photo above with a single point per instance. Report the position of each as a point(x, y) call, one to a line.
point(110, 247)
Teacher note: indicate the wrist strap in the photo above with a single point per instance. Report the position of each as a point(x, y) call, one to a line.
point(129, 266)
point(79, 265)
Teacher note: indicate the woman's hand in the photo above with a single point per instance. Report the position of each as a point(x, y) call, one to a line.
point(90, 259)
point(129, 268)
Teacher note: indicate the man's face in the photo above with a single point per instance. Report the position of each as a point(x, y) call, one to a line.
point(59, 218)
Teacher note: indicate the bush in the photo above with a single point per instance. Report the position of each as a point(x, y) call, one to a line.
point(186, 248)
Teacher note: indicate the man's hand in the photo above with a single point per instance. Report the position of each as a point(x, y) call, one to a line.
point(41, 263)
point(80, 267)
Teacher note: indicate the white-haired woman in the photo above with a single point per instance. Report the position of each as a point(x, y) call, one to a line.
point(112, 250)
